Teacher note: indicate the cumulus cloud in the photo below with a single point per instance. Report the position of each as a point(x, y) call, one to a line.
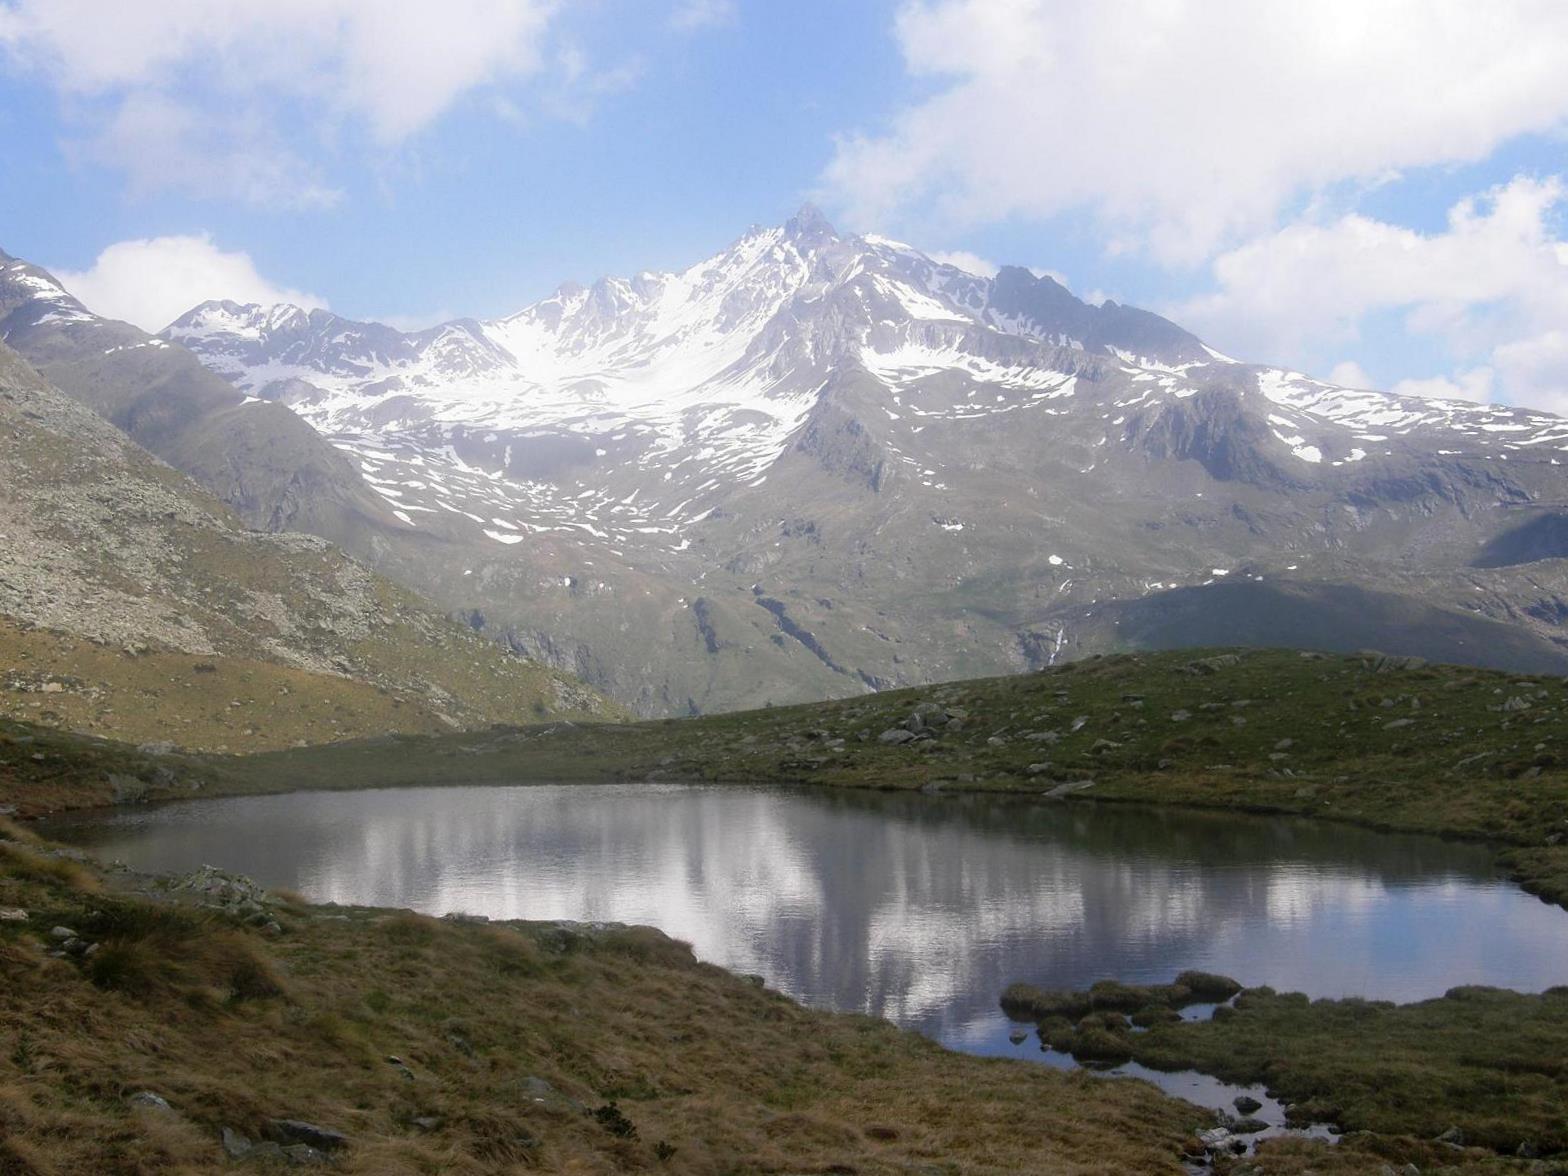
point(1475, 385)
point(1350, 374)
point(203, 85)
point(970, 263)
point(161, 144)
point(151, 282)
point(1489, 293)
point(1185, 124)
point(690, 15)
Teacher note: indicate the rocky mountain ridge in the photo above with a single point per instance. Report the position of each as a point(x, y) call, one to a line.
point(123, 586)
point(818, 464)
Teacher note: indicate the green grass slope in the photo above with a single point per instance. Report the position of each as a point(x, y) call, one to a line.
point(1387, 742)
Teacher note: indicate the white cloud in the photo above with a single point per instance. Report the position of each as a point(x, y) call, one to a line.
point(205, 84)
point(1536, 369)
point(970, 263)
point(690, 15)
point(161, 144)
point(1489, 293)
point(1475, 385)
point(1350, 374)
point(151, 282)
point(1187, 123)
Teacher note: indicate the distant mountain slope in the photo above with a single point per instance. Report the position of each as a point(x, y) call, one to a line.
point(1341, 618)
point(135, 604)
point(818, 464)
point(266, 463)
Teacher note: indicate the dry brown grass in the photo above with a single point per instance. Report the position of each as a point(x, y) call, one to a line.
point(22, 862)
point(709, 1075)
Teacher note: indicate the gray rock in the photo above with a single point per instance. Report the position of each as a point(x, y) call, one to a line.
point(1067, 789)
point(1385, 663)
point(1396, 724)
point(147, 1100)
point(235, 1144)
point(1515, 704)
point(127, 789)
point(1180, 716)
point(62, 934)
point(12, 915)
point(1214, 1137)
point(1246, 1104)
point(996, 741)
point(291, 1131)
point(1212, 665)
point(540, 1093)
point(1248, 1126)
point(895, 736)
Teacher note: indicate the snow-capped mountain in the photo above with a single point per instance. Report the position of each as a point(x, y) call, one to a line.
point(271, 467)
point(820, 462)
point(684, 386)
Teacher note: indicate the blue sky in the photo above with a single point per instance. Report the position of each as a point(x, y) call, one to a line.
point(1370, 190)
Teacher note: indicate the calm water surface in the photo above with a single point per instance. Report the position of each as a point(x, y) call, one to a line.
point(920, 909)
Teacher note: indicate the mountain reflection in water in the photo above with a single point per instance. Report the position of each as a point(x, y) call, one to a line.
point(917, 908)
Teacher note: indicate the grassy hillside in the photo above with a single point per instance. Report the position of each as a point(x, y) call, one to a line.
point(1383, 741)
point(737, 1080)
point(134, 604)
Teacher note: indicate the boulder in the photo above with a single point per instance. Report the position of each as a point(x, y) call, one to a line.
point(127, 789)
point(291, 1131)
point(235, 1145)
point(896, 736)
point(539, 1093)
point(1212, 665)
point(928, 714)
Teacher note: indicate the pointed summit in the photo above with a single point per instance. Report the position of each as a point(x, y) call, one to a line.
point(809, 225)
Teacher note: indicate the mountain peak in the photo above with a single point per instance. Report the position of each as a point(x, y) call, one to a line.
point(809, 224)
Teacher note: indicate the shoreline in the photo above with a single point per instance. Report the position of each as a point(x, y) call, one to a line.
point(1307, 1106)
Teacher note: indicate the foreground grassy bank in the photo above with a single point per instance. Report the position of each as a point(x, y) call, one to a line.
point(445, 1046)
